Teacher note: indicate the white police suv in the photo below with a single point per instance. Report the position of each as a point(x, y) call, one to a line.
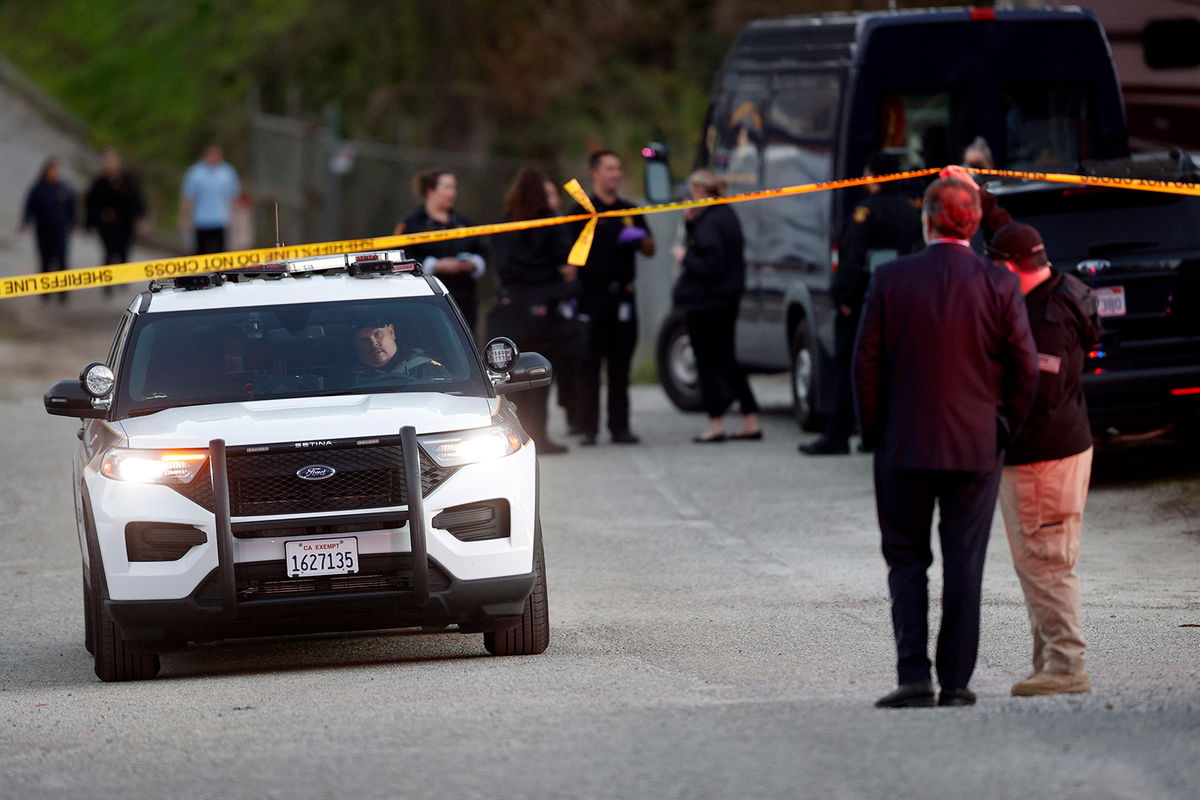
point(309, 446)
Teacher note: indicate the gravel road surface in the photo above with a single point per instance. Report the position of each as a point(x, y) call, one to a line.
point(720, 629)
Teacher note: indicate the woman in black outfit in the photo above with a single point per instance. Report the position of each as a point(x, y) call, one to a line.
point(458, 263)
point(532, 270)
point(708, 292)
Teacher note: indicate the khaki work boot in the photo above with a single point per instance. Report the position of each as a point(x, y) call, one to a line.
point(1052, 683)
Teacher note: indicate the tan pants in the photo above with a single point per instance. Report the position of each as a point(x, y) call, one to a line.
point(1042, 505)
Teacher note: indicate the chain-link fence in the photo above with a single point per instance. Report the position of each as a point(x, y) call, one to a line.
point(328, 188)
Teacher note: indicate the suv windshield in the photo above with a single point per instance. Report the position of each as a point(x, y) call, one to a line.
point(302, 350)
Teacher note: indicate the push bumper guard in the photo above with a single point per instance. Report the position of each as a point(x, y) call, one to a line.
point(489, 604)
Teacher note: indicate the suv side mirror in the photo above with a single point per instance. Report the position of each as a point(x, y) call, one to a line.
point(86, 397)
point(68, 399)
point(531, 371)
point(657, 172)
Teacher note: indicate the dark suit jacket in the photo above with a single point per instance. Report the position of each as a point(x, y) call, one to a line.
point(945, 365)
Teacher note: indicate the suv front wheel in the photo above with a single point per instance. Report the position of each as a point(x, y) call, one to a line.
point(114, 661)
point(532, 636)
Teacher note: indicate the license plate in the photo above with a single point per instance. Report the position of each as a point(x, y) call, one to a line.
point(312, 557)
point(1111, 300)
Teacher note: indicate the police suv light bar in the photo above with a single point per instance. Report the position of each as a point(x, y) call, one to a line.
point(268, 271)
point(358, 265)
point(386, 262)
point(188, 282)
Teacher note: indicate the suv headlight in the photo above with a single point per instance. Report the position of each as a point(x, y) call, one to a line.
point(153, 466)
point(471, 447)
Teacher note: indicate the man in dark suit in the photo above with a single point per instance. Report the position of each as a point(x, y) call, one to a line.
point(945, 370)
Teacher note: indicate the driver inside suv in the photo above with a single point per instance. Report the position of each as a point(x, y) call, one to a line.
point(379, 354)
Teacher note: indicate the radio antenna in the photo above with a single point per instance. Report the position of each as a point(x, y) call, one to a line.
point(278, 243)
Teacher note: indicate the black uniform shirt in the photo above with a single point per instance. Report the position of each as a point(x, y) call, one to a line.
point(462, 287)
point(885, 220)
point(1065, 323)
point(612, 265)
point(531, 257)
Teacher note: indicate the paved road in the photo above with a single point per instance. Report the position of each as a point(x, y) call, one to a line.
point(720, 629)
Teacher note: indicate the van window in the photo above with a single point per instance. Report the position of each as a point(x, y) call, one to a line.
point(735, 131)
point(1045, 125)
point(803, 107)
point(927, 128)
point(801, 121)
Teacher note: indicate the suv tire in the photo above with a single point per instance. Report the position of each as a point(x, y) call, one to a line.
point(677, 364)
point(532, 636)
point(804, 379)
point(114, 661)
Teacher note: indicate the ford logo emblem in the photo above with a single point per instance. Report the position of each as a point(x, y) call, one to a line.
point(315, 472)
point(1092, 266)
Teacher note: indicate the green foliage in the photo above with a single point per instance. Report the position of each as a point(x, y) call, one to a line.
point(526, 78)
point(157, 79)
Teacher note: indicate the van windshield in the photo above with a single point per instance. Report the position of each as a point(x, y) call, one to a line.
point(301, 350)
point(1041, 94)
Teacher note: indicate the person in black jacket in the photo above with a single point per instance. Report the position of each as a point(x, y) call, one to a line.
point(1048, 463)
point(50, 208)
point(113, 208)
point(945, 368)
point(458, 263)
point(882, 226)
point(708, 293)
point(532, 269)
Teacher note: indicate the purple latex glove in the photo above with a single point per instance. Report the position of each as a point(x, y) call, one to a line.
point(631, 233)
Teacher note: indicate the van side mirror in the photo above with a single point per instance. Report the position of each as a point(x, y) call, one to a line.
point(531, 371)
point(657, 172)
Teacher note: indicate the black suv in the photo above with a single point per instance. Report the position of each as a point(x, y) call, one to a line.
point(1140, 253)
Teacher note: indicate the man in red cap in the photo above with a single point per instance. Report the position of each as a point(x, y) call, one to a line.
point(945, 368)
point(1049, 462)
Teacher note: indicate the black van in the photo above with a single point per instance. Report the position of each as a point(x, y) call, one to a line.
point(810, 98)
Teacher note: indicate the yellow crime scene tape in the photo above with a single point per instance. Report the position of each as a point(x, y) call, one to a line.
point(132, 272)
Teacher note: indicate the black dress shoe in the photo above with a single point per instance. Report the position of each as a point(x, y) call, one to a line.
point(956, 697)
point(825, 447)
point(908, 695)
point(625, 437)
point(720, 437)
